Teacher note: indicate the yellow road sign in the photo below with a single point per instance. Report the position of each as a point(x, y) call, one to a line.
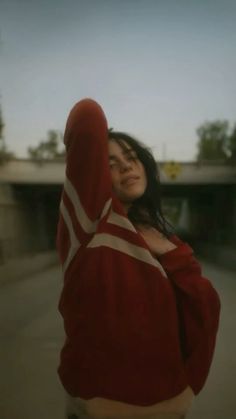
point(172, 169)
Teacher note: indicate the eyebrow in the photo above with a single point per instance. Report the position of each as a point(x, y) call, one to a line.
point(125, 152)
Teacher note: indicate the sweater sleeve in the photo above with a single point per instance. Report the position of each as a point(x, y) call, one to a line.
point(87, 187)
point(198, 306)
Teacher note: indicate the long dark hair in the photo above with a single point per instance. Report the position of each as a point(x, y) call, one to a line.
point(147, 209)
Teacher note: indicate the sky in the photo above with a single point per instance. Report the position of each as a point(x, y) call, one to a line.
point(159, 69)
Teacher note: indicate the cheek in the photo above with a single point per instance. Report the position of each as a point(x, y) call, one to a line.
point(114, 180)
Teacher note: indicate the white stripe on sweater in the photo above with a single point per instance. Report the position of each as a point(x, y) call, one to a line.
point(127, 248)
point(87, 225)
point(106, 208)
point(74, 242)
point(120, 221)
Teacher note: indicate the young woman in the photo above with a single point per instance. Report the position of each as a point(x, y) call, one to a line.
point(140, 319)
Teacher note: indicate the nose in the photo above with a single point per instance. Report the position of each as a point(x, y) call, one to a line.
point(124, 166)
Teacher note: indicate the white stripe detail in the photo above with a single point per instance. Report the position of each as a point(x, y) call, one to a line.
point(127, 248)
point(120, 221)
point(75, 244)
point(85, 222)
point(106, 208)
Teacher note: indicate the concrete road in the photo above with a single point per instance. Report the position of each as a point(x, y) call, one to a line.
point(31, 334)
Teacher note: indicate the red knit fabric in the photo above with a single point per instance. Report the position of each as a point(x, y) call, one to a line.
point(139, 330)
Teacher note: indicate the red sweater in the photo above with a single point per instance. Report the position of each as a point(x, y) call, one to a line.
point(138, 330)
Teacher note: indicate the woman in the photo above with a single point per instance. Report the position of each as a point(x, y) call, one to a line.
point(140, 320)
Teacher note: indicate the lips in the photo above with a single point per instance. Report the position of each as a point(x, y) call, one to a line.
point(130, 180)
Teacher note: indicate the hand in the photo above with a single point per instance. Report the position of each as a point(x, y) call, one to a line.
point(157, 243)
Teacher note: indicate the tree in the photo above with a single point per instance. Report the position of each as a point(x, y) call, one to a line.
point(1, 125)
point(5, 155)
point(232, 146)
point(213, 141)
point(49, 149)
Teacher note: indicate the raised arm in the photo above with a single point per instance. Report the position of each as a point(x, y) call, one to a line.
point(87, 166)
point(87, 187)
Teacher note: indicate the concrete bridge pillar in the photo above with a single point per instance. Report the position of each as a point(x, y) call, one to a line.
point(184, 222)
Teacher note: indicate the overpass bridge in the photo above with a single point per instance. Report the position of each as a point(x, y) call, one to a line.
point(25, 171)
point(199, 198)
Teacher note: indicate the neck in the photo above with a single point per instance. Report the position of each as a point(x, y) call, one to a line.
point(126, 206)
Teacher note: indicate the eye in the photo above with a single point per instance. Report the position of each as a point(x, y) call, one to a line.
point(132, 157)
point(113, 164)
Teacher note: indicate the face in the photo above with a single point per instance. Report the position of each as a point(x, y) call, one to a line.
point(128, 175)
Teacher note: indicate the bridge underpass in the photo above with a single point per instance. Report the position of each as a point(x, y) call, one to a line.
point(28, 219)
point(200, 213)
point(42, 202)
point(205, 213)
point(199, 200)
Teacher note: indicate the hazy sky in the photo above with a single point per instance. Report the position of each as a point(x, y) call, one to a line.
point(158, 68)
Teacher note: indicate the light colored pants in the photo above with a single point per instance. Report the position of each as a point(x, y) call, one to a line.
point(75, 409)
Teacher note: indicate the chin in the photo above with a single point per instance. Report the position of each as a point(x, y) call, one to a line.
point(132, 197)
